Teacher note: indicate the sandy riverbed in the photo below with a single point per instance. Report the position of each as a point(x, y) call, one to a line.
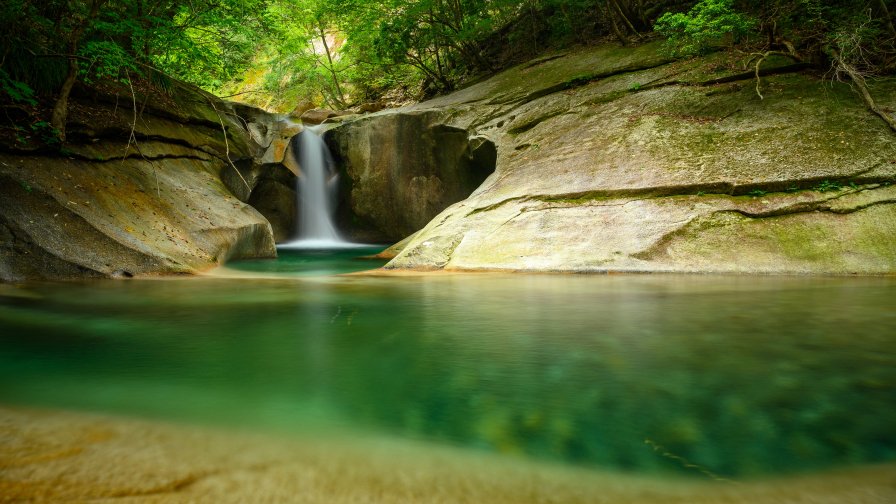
point(58, 456)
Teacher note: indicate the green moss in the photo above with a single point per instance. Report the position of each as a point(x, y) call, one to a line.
point(582, 199)
point(607, 97)
point(800, 241)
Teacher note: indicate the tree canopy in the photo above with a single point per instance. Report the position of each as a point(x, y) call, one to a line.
point(340, 53)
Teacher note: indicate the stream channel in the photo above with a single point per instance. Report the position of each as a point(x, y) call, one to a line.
point(676, 375)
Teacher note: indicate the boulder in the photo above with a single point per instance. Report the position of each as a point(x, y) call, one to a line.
point(368, 107)
point(622, 159)
point(302, 107)
point(281, 134)
point(318, 116)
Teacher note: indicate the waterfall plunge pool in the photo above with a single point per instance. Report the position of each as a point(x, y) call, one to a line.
point(688, 377)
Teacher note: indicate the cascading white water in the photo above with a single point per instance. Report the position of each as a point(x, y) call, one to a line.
point(316, 193)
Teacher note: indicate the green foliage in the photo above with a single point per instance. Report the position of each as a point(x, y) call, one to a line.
point(17, 91)
point(105, 60)
point(756, 193)
point(206, 42)
point(707, 25)
point(828, 185)
point(46, 132)
point(342, 52)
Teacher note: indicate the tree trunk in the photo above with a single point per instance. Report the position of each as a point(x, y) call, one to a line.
point(625, 19)
point(60, 108)
point(611, 17)
point(331, 67)
point(888, 20)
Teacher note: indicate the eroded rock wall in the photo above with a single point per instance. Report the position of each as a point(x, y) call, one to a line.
point(402, 169)
point(619, 159)
point(108, 204)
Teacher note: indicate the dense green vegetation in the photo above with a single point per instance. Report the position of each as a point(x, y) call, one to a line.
point(340, 53)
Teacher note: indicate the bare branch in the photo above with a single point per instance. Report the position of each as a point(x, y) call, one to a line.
point(759, 57)
point(133, 138)
point(227, 145)
point(859, 80)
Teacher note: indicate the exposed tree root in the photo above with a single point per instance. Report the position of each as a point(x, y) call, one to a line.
point(858, 80)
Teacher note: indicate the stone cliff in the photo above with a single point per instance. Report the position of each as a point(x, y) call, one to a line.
point(136, 190)
point(621, 159)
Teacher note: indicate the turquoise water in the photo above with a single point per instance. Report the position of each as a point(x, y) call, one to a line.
point(689, 375)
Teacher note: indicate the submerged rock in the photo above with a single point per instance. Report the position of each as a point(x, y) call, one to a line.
point(104, 206)
point(619, 159)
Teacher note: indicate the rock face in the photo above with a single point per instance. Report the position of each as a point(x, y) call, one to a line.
point(105, 207)
point(614, 159)
point(268, 182)
point(402, 169)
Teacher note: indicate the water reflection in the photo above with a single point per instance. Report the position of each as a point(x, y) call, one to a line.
point(729, 376)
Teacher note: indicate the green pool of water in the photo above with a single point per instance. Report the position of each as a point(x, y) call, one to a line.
point(689, 375)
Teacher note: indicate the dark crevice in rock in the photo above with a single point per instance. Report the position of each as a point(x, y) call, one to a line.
point(742, 76)
point(136, 156)
point(528, 125)
point(813, 206)
point(493, 206)
point(659, 247)
point(542, 60)
point(107, 136)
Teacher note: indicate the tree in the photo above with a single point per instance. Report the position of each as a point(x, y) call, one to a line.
point(855, 39)
point(48, 46)
point(78, 22)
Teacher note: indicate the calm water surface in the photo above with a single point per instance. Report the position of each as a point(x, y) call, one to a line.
point(690, 375)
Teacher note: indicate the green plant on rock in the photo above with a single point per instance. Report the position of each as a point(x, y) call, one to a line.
point(708, 24)
point(48, 134)
point(828, 185)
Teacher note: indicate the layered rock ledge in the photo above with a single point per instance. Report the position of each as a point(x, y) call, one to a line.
point(621, 159)
point(136, 190)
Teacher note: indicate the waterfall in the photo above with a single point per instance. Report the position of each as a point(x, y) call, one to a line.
point(316, 193)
